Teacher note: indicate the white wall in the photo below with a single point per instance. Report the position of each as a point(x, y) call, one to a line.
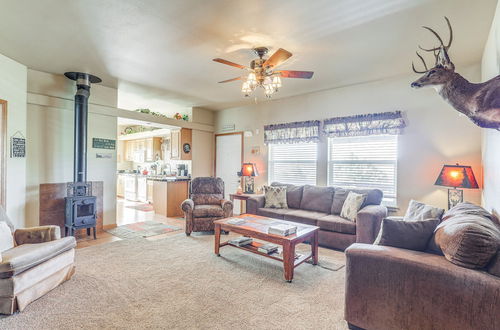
point(13, 90)
point(436, 133)
point(50, 140)
point(490, 67)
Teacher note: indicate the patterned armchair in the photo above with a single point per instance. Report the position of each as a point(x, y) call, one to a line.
point(206, 204)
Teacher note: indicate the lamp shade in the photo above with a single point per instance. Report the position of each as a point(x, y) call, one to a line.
point(249, 169)
point(457, 176)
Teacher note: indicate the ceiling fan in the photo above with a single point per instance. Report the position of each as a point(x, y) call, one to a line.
point(262, 72)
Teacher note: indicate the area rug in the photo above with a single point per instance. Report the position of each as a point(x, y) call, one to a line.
point(178, 283)
point(141, 207)
point(142, 229)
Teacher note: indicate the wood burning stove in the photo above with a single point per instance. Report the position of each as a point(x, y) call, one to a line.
point(81, 211)
point(80, 204)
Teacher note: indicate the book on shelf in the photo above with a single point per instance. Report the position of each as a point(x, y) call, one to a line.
point(241, 241)
point(282, 230)
point(268, 248)
point(236, 221)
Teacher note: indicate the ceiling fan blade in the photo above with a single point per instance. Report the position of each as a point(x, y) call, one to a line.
point(220, 60)
point(229, 80)
point(277, 58)
point(295, 74)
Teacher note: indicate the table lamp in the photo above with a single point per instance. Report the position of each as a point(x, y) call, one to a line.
point(456, 176)
point(248, 171)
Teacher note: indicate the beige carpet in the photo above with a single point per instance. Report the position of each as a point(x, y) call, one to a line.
point(178, 282)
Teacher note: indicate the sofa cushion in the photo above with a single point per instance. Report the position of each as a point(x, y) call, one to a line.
point(337, 224)
point(304, 216)
point(293, 194)
point(494, 266)
point(373, 197)
point(26, 256)
point(6, 238)
point(275, 197)
point(273, 213)
point(420, 211)
point(352, 205)
point(207, 211)
point(411, 235)
point(317, 199)
point(467, 239)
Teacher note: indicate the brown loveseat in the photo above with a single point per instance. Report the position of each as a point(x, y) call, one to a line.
point(392, 288)
point(321, 206)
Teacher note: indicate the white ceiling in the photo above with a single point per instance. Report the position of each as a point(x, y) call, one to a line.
point(169, 45)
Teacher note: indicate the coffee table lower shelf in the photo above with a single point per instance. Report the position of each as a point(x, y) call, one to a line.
point(254, 246)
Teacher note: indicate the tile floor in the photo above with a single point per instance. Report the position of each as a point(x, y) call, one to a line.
point(130, 212)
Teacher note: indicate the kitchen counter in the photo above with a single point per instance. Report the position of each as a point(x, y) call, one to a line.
point(168, 196)
point(157, 177)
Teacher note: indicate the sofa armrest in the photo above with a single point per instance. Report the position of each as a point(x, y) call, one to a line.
point(254, 203)
point(227, 206)
point(187, 206)
point(35, 235)
point(392, 288)
point(368, 223)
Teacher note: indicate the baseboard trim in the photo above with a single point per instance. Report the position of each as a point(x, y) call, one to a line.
point(108, 227)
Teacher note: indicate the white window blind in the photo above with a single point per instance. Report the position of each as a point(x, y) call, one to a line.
point(293, 163)
point(364, 162)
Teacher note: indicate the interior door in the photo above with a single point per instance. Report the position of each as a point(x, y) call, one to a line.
point(3, 148)
point(228, 160)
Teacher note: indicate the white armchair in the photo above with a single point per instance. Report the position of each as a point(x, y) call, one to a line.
point(33, 261)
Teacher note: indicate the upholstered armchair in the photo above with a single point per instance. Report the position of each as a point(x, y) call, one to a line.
point(33, 261)
point(206, 204)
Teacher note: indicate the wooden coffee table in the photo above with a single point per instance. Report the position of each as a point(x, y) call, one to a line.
point(257, 226)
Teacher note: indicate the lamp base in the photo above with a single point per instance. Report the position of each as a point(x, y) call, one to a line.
point(455, 196)
point(249, 185)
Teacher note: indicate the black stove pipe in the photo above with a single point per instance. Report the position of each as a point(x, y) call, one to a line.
point(83, 81)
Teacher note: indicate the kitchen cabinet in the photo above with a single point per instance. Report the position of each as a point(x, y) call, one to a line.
point(120, 186)
point(143, 150)
point(142, 189)
point(153, 149)
point(150, 191)
point(180, 144)
point(168, 197)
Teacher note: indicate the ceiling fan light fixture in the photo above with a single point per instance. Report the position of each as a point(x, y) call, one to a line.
point(252, 79)
point(276, 83)
point(246, 89)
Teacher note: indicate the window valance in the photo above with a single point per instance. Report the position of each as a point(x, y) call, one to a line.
point(362, 125)
point(297, 132)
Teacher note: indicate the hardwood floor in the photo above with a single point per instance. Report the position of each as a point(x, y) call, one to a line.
point(131, 212)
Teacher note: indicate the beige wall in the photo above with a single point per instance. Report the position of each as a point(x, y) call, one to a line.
point(13, 90)
point(436, 133)
point(50, 136)
point(203, 153)
point(490, 67)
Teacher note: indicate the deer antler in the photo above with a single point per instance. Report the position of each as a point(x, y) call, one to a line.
point(439, 38)
point(423, 61)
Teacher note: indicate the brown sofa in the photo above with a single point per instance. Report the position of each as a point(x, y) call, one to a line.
point(321, 206)
point(393, 288)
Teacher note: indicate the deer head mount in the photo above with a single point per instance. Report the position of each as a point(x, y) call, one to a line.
point(480, 102)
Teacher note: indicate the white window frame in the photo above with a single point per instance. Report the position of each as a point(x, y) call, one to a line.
point(390, 201)
point(270, 163)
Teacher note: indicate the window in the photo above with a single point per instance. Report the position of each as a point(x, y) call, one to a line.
point(364, 162)
point(293, 163)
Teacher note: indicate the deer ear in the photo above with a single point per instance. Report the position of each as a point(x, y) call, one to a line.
point(444, 61)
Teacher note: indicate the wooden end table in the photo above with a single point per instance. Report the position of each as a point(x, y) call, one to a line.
point(257, 227)
point(242, 197)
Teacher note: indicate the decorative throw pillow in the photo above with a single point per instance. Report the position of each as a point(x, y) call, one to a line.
point(468, 240)
point(351, 206)
point(275, 197)
point(411, 235)
point(421, 211)
point(6, 239)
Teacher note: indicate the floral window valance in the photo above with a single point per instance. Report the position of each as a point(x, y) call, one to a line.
point(297, 132)
point(362, 125)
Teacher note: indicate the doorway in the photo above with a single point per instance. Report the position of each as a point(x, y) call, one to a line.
point(228, 160)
